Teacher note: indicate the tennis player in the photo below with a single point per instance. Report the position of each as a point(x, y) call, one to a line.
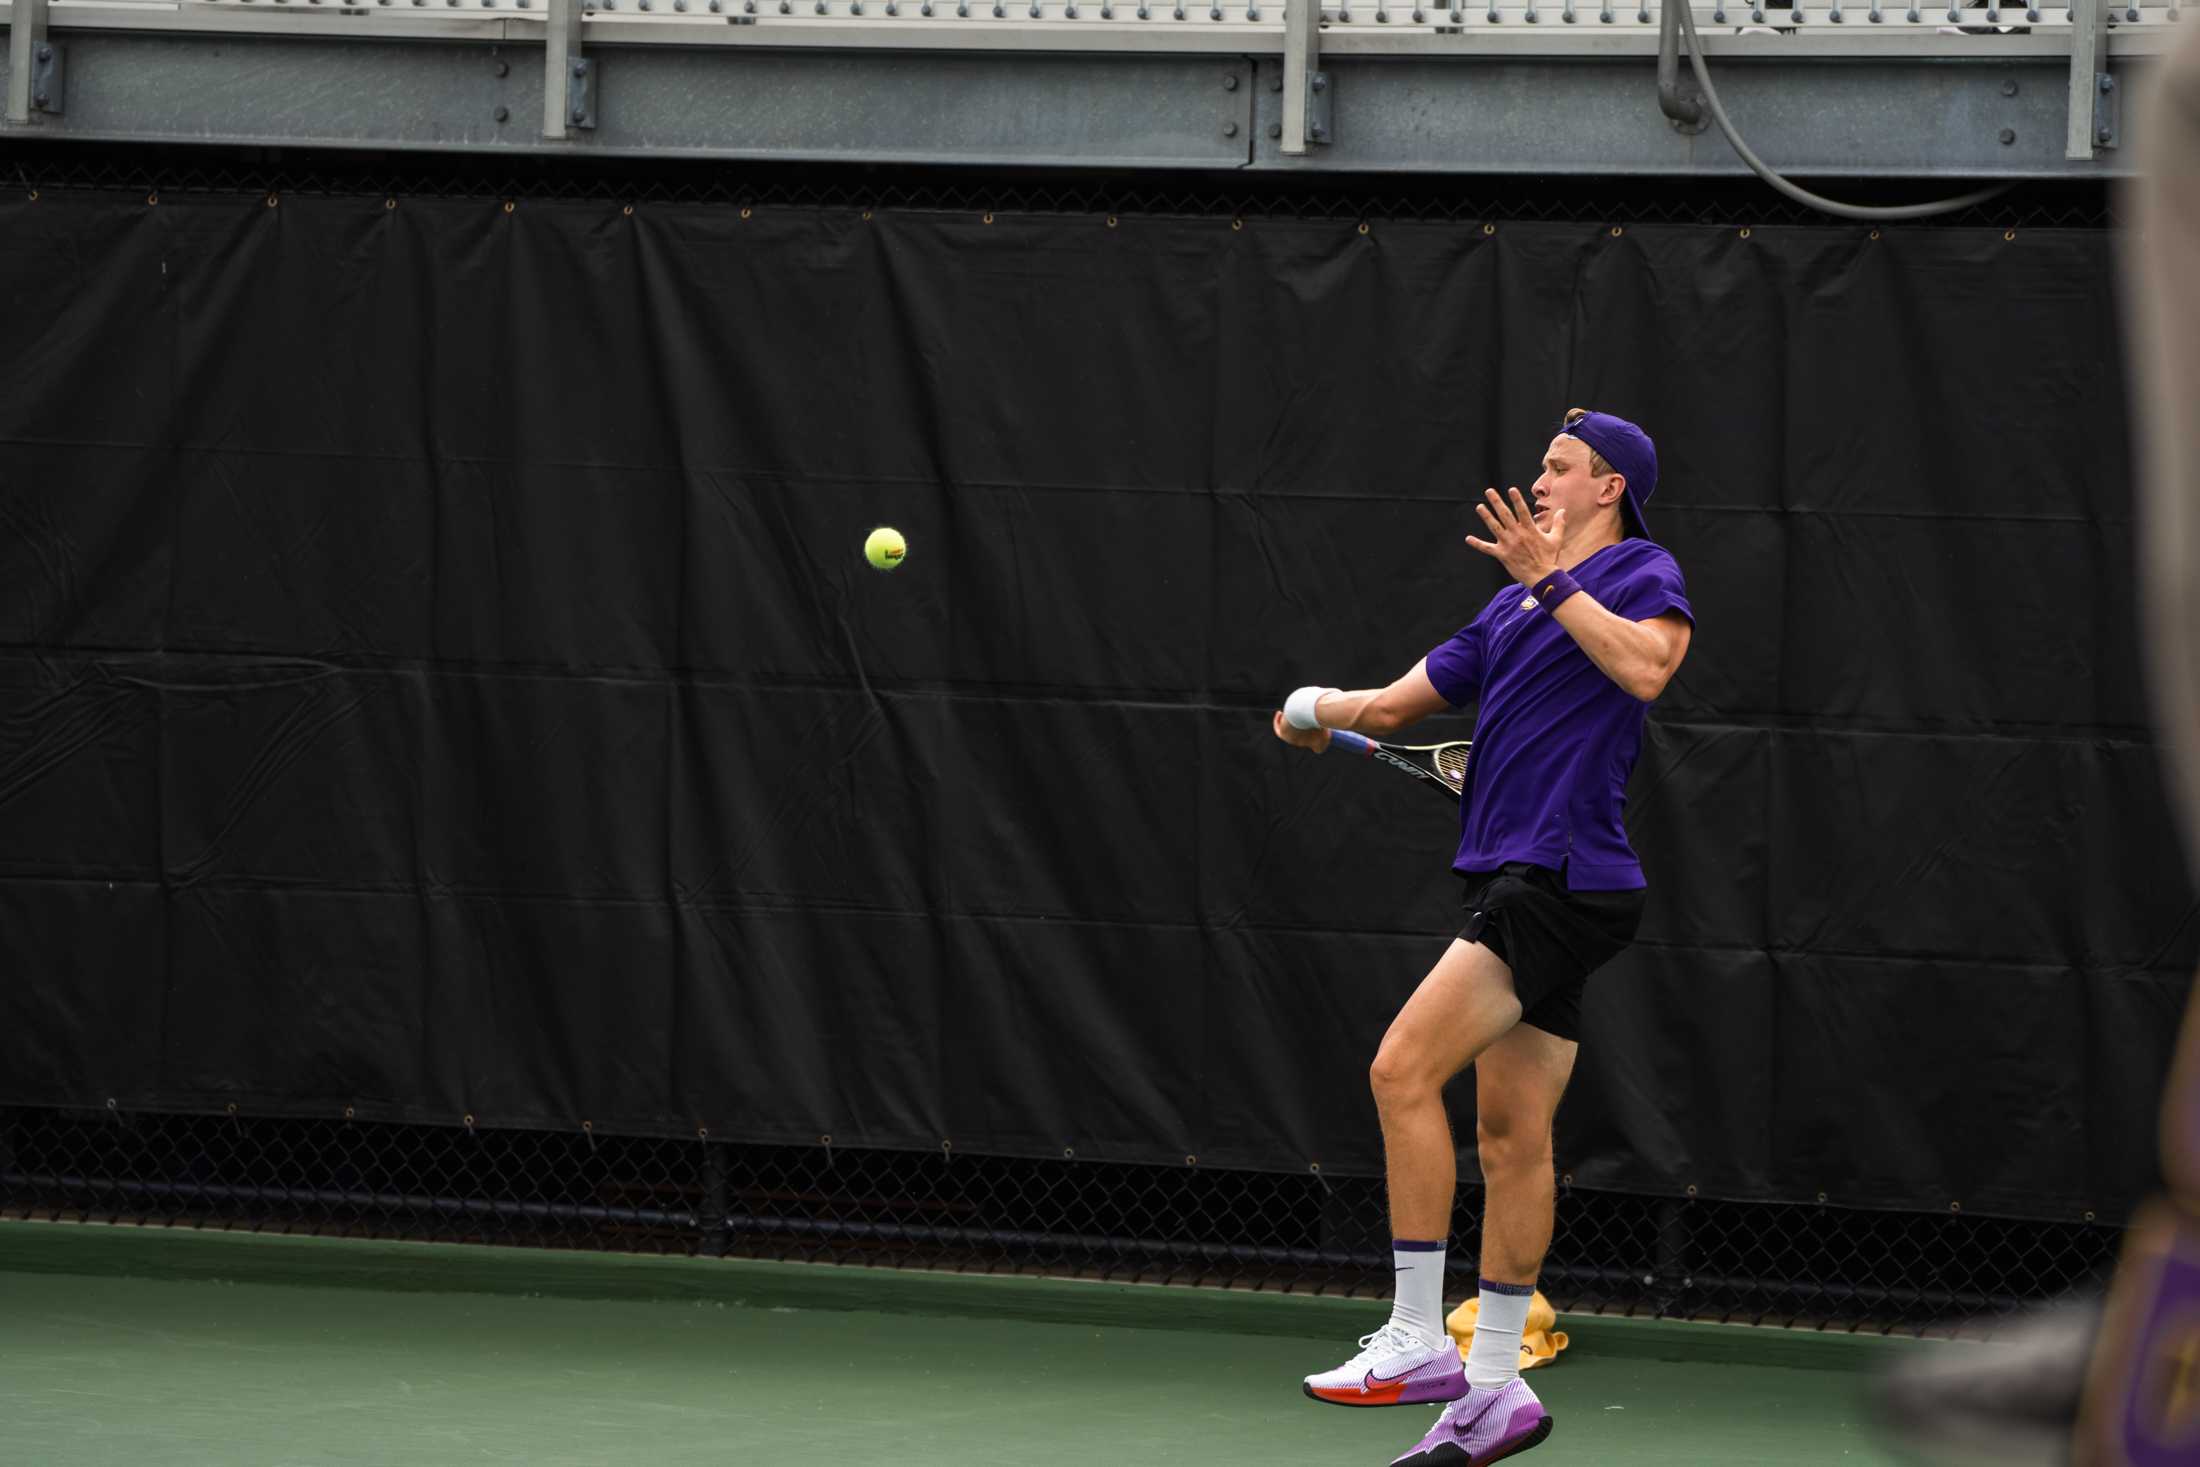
point(1562, 669)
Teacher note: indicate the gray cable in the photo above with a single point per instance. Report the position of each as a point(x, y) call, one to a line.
point(1802, 195)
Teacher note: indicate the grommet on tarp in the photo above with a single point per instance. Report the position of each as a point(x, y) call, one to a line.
point(2089, 1215)
point(989, 218)
point(1691, 1189)
point(121, 1119)
point(947, 1150)
point(153, 198)
point(1237, 224)
point(349, 1113)
point(467, 1120)
point(1821, 1197)
point(1363, 226)
point(1316, 1168)
point(389, 203)
point(744, 211)
point(588, 1131)
point(1069, 1153)
point(628, 210)
point(1191, 1161)
point(509, 206)
point(34, 196)
point(2008, 234)
point(1875, 234)
point(1489, 229)
point(1618, 230)
point(1111, 221)
point(1955, 1207)
point(230, 1110)
point(1745, 231)
point(273, 200)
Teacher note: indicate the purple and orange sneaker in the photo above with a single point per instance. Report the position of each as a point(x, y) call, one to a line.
point(1395, 1367)
point(1483, 1427)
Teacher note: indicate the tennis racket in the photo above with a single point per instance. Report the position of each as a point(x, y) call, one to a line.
point(1442, 767)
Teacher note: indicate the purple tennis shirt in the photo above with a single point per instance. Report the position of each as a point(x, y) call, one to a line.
point(1554, 738)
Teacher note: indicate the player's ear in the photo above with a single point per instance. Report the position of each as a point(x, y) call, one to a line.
point(1614, 486)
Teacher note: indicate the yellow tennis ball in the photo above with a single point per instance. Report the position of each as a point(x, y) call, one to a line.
point(885, 548)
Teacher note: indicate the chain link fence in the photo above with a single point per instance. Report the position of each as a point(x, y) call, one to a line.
point(2056, 204)
point(1817, 1266)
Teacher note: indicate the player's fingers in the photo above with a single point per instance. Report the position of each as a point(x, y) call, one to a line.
point(1504, 514)
point(1482, 545)
point(1496, 526)
point(1520, 506)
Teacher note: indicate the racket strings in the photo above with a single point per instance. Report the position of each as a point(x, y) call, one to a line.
point(1451, 763)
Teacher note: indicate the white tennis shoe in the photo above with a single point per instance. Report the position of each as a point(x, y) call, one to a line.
point(1395, 1367)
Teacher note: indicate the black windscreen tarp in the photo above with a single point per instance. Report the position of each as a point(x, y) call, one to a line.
point(438, 675)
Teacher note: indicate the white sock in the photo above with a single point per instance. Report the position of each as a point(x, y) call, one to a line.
point(1493, 1360)
point(1417, 1303)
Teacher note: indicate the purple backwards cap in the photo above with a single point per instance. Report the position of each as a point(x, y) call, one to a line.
point(1632, 456)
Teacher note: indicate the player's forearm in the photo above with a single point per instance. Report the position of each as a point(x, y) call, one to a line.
point(1356, 711)
point(1628, 653)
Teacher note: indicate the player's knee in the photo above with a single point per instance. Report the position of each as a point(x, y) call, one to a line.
point(1509, 1144)
point(1394, 1077)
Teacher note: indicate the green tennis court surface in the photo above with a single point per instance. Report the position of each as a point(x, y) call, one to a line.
point(146, 1347)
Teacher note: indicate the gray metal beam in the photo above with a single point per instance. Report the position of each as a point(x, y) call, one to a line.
point(1491, 113)
point(1887, 33)
point(1855, 119)
point(1159, 112)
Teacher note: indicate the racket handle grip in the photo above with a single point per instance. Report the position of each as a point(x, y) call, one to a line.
point(1350, 742)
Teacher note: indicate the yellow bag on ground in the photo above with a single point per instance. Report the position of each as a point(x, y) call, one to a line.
point(1540, 1339)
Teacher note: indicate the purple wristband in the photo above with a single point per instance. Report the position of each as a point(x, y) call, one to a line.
point(1554, 589)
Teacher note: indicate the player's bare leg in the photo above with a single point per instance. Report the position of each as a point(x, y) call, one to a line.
point(1519, 1079)
point(1464, 1004)
point(1518, 1083)
point(1462, 1007)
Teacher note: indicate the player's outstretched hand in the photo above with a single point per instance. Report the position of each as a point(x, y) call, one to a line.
point(1528, 551)
point(1316, 739)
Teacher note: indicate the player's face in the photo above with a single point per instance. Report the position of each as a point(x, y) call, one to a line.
point(1566, 483)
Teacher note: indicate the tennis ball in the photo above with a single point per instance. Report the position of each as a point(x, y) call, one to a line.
point(885, 548)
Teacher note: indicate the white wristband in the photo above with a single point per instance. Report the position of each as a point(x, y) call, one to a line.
point(1298, 709)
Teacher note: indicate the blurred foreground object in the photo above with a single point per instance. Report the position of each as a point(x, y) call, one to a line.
point(2142, 1406)
point(2127, 1377)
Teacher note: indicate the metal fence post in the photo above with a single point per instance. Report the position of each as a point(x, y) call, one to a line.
point(34, 63)
point(1306, 103)
point(2092, 120)
point(714, 1217)
point(568, 76)
point(1670, 1277)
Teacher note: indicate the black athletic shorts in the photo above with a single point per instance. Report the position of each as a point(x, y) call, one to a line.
point(1551, 938)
